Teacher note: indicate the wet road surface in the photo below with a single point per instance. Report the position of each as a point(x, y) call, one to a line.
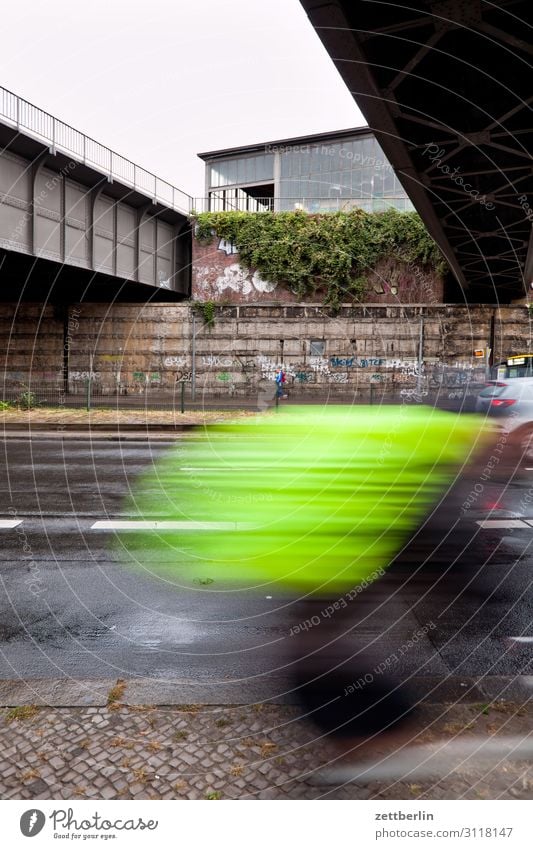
point(68, 608)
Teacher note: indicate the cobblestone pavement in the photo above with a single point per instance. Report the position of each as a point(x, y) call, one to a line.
point(236, 752)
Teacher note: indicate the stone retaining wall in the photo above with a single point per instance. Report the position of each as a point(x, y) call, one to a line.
point(132, 348)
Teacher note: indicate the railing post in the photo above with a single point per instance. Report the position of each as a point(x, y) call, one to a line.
point(89, 393)
point(182, 398)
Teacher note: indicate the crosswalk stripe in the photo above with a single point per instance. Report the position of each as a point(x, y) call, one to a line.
point(502, 523)
point(7, 524)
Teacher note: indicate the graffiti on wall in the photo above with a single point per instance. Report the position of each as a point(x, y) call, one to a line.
point(174, 362)
point(228, 247)
point(240, 280)
point(217, 361)
point(319, 365)
point(84, 375)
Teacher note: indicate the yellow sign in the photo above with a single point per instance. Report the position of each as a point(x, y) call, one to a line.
point(479, 352)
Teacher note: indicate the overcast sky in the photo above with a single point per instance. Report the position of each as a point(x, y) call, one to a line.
point(160, 80)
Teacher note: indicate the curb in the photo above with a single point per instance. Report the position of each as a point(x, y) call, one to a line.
point(99, 432)
point(94, 692)
point(98, 427)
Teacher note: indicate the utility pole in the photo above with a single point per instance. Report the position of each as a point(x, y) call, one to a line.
point(193, 357)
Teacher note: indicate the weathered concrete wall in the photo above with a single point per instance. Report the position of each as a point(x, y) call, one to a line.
point(218, 276)
point(130, 348)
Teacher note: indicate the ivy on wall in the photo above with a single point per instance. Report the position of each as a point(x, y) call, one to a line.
point(330, 253)
point(207, 310)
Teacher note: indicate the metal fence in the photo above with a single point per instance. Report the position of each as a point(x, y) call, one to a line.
point(183, 397)
point(60, 136)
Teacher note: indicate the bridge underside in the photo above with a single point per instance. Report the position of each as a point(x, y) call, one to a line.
point(70, 233)
point(447, 87)
point(25, 278)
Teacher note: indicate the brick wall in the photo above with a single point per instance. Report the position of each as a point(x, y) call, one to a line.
point(218, 276)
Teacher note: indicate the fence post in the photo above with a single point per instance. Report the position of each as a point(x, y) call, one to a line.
point(89, 392)
point(193, 357)
point(182, 397)
point(371, 394)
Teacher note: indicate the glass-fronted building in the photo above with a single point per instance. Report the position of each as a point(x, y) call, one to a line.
point(320, 173)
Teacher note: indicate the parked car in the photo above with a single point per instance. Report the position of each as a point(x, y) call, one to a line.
point(509, 404)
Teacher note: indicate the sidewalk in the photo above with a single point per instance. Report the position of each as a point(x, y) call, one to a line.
point(110, 424)
point(262, 751)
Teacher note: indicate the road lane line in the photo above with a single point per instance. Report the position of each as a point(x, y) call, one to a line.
point(140, 525)
point(7, 524)
point(526, 640)
point(502, 523)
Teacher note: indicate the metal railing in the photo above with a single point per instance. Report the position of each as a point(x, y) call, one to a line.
point(60, 136)
point(180, 397)
point(223, 201)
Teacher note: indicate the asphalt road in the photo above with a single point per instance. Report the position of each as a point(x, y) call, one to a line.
point(69, 609)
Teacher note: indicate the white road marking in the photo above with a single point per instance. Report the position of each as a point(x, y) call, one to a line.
point(520, 639)
point(7, 524)
point(502, 523)
point(429, 761)
point(140, 525)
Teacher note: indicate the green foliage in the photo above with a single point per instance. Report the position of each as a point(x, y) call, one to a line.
point(331, 253)
point(5, 405)
point(207, 310)
point(27, 400)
